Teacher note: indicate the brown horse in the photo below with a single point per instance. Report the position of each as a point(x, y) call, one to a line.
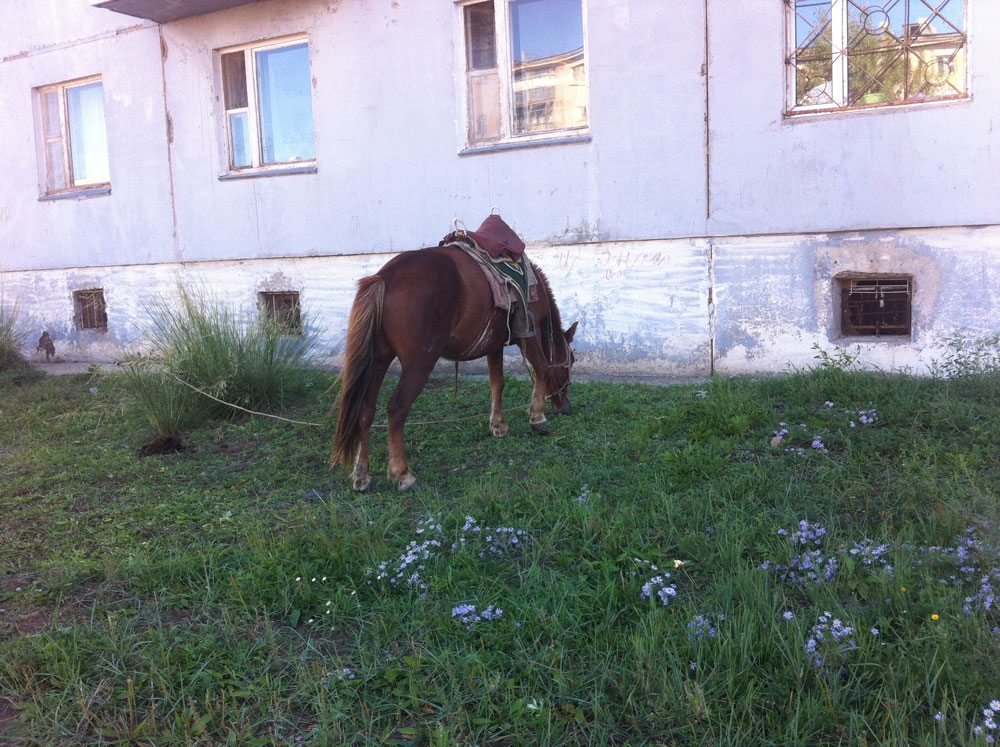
point(425, 305)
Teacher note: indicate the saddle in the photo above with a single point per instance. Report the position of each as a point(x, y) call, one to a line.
point(499, 252)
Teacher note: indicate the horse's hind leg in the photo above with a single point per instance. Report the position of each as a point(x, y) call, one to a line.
point(494, 361)
point(362, 476)
point(411, 382)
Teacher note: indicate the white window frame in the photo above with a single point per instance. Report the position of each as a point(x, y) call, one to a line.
point(45, 167)
point(505, 72)
point(839, 33)
point(252, 109)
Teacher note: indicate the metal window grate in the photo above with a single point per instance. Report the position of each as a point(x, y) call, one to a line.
point(90, 309)
point(283, 307)
point(875, 307)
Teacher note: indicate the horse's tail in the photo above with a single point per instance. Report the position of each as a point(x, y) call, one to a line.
point(365, 320)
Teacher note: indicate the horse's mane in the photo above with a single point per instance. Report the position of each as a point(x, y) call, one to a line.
point(553, 309)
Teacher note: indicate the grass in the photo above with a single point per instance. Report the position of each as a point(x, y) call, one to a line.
point(234, 593)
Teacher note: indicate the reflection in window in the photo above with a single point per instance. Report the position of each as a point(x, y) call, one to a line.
point(75, 136)
point(850, 53)
point(267, 92)
point(525, 70)
point(547, 45)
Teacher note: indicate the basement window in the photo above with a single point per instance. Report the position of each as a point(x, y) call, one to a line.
point(875, 306)
point(89, 309)
point(282, 308)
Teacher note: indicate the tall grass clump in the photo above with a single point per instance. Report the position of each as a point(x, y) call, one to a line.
point(199, 346)
point(12, 337)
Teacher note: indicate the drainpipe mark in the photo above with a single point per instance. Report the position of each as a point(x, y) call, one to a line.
point(169, 122)
point(711, 309)
point(708, 126)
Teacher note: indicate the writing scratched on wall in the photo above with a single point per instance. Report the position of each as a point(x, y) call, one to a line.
point(616, 263)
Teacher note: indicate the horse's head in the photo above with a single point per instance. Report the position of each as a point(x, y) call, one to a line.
point(561, 366)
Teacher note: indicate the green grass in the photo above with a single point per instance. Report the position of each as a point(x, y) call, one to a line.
point(171, 600)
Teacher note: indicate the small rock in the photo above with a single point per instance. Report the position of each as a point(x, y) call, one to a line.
point(777, 441)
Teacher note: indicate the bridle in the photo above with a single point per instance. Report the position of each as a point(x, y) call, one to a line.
point(567, 363)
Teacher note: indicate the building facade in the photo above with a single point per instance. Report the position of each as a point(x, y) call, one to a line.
point(710, 186)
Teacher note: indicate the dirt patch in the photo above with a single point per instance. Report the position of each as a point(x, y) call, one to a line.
point(71, 367)
point(21, 615)
point(163, 445)
point(7, 717)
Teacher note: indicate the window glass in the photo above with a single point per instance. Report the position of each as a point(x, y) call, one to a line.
point(480, 35)
point(546, 38)
point(53, 118)
point(285, 93)
point(87, 134)
point(234, 79)
point(239, 138)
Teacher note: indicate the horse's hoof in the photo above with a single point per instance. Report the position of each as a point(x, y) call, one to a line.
point(541, 428)
point(500, 430)
point(407, 482)
point(362, 479)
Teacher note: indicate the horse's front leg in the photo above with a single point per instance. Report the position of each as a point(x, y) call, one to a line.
point(494, 362)
point(411, 382)
point(536, 411)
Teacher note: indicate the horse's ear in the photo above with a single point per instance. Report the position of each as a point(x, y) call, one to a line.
point(568, 334)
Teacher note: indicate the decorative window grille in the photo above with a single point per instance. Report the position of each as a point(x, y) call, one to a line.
point(90, 309)
point(875, 307)
point(846, 54)
point(283, 308)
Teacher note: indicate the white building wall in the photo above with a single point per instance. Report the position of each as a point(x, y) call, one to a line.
point(696, 230)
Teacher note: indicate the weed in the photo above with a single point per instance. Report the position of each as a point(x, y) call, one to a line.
point(965, 357)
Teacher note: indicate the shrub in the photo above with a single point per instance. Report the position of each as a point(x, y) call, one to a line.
point(200, 347)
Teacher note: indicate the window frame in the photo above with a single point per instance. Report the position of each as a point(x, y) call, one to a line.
point(839, 69)
point(46, 169)
point(257, 165)
point(505, 72)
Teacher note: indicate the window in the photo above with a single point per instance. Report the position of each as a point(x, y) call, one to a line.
point(90, 311)
point(267, 95)
point(847, 54)
point(525, 69)
point(282, 308)
point(875, 306)
point(74, 140)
